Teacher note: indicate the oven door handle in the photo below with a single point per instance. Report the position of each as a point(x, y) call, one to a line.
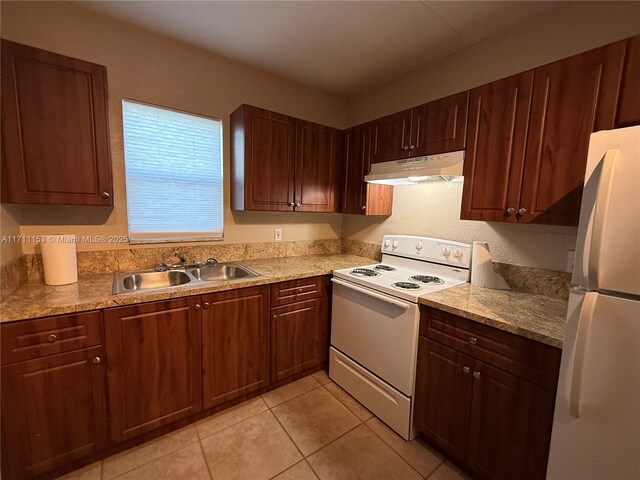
point(397, 303)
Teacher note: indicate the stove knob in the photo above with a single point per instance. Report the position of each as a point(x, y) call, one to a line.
point(445, 251)
point(457, 253)
point(387, 243)
point(395, 244)
point(419, 246)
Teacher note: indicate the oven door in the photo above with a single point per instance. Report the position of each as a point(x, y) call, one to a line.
point(378, 331)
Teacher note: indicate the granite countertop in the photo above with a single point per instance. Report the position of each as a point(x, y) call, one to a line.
point(36, 299)
point(532, 316)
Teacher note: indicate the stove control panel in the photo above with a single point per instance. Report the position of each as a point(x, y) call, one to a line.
point(430, 249)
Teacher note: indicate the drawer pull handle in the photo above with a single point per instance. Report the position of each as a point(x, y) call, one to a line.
point(96, 360)
point(473, 340)
point(275, 317)
point(476, 375)
point(205, 305)
point(299, 290)
point(466, 370)
point(52, 338)
point(196, 306)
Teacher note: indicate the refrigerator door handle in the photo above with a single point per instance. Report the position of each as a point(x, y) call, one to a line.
point(582, 336)
point(599, 217)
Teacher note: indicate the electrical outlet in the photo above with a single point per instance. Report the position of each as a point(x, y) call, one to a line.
point(277, 234)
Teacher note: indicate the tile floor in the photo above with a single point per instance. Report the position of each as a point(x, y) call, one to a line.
point(310, 429)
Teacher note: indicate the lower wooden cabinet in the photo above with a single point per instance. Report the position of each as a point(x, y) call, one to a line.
point(299, 331)
point(235, 344)
point(54, 411)
point(494, 422)
point(154, 366)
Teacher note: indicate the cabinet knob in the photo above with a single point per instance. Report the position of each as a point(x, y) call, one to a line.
point(363, 207)
point(412, 147)
point(52, 338)
point(205, 305)
point(96, 360)
point(297, 204)
point(510, 211)
point(473, 340)
point(466, 370)
point(299, 290)
point(522, 211)
point(406, 147)
point(291, 204)
point(476, 375)
point(275, 317)
point(196, 306)
point(105, 195)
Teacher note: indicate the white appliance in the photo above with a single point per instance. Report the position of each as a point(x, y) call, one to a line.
point(431, 168)
point(596, 427)
point(375, 321)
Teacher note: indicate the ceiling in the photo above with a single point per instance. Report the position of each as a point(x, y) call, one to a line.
point(343, 48)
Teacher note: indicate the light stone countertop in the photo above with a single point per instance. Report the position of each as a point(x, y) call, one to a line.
point(536, 317)
point(35, 299)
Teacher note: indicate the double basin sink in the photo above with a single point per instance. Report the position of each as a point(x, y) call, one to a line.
point(124, 282)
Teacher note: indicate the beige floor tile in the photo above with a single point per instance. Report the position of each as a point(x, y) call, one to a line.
point(90, 472)
point(447, 471)
point(257, 448)
point(145, 453)
point(351, 403)
point(289, 391)
point(416, 452)
point(314, 419)
point(360, 454)
point(321, 377)
point(184, 464)
point(300, 471)
point(226, 418)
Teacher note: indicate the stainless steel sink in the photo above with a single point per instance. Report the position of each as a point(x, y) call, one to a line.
point(222, 272)
point(124, 282)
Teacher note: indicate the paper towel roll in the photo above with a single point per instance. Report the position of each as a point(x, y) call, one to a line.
point(482, 273)
point(59, 259)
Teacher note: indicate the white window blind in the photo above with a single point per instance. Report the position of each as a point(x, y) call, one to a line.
point(173, 168)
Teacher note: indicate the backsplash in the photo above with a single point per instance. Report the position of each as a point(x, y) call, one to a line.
point(13, 274)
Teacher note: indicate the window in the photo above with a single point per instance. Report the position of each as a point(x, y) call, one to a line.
point(173, 170)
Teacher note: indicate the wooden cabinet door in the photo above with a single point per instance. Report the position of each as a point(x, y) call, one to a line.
point(153, 364)
point(629, 101)
point(235, 344)
point(571, 99)
point(263, 160)
point(54, 411)
point(443, 396)
point(391, 137)
point(299, 337)
point(496, 139)
point(318, 155)
point(439, 126)
point(55, 129)
point(510, 427)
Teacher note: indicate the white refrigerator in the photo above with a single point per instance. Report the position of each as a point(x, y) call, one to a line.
point(596, 427)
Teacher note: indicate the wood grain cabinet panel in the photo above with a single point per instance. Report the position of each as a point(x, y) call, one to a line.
point(571, 99)
point(629, 101)
point(235, 344)
point(497, 134)
point(391, 137)
point(55, 129)
point(358, 196)
point(154, 364)
point(54, 411)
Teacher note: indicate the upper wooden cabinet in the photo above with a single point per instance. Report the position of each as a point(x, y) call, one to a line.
point(358, 196)
point(434, 127)
point(55, 129)
point(540, 181)
point(629, 104)
point(279, 163)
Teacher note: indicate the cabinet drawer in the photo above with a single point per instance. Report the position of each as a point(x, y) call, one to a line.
point(528, 359)
point(296, 291)
point(48, 336)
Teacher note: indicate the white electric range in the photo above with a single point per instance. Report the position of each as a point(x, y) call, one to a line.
point(375, 321)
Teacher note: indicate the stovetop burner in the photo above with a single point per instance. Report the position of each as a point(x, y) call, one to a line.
point(406, 285)
point(427, 279)
point(385, 268)
point(364, 272)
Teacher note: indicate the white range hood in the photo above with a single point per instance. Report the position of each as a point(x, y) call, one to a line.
point(432, 168)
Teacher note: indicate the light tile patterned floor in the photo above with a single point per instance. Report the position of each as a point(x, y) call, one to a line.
point(308, 430)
